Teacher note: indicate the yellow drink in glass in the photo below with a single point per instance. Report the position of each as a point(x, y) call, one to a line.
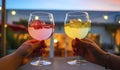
point(77, 29)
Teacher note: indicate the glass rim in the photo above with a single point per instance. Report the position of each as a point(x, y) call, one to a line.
point(45, 13)
point(82, 12)
point(72, 13)
point(77, 12)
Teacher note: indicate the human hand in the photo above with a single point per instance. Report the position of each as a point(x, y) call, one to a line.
point(28, 49)
point(89, 50)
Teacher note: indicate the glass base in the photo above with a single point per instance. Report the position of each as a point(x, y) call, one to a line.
point(76, 62)
point(40, 63)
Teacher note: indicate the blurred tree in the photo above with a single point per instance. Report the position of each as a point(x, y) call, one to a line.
point(21, 22)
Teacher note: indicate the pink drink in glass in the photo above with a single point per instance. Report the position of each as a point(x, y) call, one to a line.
point(39, 30)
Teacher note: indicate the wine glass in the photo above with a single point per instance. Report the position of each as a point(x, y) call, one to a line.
point(40, 27)
point(76, 25)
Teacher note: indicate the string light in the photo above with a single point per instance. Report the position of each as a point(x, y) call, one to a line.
point(13, 12)
point(55, 40)
point(5, 25)
point(80, 20)
point(36, 17)
point(0, 8)
point(119, 21)
point(105, 17)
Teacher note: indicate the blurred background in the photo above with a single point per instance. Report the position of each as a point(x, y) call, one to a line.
point(104, 15)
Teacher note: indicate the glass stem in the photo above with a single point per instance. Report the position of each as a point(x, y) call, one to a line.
point(40, 61)
point(40, 58)
point(78, 59)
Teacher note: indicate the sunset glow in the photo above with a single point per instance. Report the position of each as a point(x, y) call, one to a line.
point(105, 5)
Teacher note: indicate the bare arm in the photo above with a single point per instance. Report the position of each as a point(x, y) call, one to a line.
point(17, 58)
point(93, 53)
point(114, 62)
point(11, 62)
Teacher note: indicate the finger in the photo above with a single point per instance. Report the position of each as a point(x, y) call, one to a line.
point(90, 43)
point(74, 47)
point(87, 40)
point(82, 41)
point(32, 41)
point(83, 45)
point(36, 44)
point(77, 47)
point(73, 43)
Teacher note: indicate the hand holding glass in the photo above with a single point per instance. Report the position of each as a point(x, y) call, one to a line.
point(40, 27)
point(77, 25)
